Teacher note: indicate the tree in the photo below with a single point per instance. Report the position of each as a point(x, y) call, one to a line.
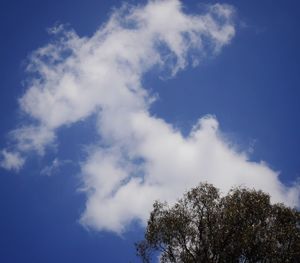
point(242, 226)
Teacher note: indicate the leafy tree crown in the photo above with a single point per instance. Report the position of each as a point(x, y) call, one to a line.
point(242, 226)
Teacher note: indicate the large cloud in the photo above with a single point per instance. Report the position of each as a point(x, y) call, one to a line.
point(140, 157)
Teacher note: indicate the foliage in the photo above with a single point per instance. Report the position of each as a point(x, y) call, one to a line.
point(242, 226)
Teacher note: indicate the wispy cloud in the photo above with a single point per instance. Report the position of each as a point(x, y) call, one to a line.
point(144, 157)
point(54, 167)
point(11, 160)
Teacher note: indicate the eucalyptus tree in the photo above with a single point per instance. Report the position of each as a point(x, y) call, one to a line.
point(203, 226)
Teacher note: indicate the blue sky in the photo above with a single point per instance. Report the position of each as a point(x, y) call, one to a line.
point(88, 144)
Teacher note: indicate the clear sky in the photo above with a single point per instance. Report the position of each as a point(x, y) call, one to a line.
point(99, 118)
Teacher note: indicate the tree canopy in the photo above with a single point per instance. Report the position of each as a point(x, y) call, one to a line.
point(203, 226)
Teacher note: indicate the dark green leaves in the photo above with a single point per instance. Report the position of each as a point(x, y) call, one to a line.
point(204, 227)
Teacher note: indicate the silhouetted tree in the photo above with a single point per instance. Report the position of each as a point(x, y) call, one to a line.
point(204, 227)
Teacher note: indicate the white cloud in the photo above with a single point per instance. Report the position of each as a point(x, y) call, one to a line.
point(152, 161)
point(32, 138)
point(54, 166)
point(11, 160)
point(144, 157)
